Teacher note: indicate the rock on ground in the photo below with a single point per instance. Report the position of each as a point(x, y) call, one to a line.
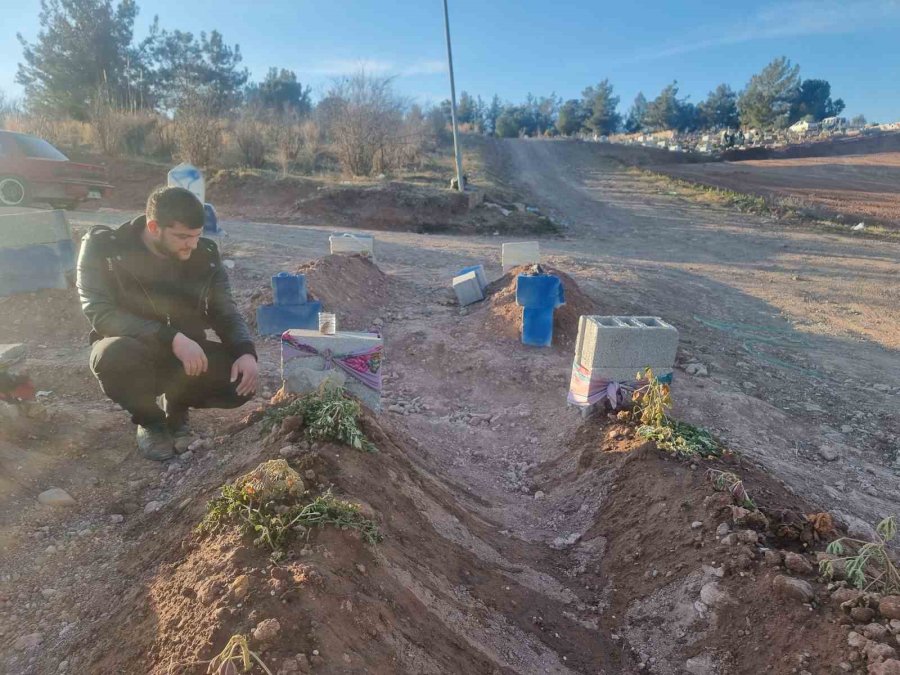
point(798, 589)
point(56, 497)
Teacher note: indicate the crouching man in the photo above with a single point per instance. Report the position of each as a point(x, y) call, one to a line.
point(150, 289)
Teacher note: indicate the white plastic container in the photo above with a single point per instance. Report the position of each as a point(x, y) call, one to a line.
point(189, 177)
point(327, 323)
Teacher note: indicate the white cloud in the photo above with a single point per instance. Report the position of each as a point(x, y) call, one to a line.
point(788, 19)
point(338, 67)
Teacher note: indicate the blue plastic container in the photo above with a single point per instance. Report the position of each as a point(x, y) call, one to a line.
point(289, 289)
point(210, 220)
point(275, 319)
point(539, 295)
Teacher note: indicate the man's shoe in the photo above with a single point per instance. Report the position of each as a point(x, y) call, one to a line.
point(155, 442)
point(176, 419)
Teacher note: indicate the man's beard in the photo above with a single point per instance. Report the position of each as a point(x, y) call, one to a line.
point(160, 249)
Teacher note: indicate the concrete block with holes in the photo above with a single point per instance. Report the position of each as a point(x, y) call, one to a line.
point(520, 253)
point(616, 347)
point(36, 250)
point(352, 243)
point(310, 358)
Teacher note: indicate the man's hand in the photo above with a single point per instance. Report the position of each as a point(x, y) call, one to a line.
point(190, 354)
point(247, 369)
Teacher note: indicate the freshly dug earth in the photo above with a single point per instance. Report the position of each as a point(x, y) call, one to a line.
point(504, 316)
point(256, 196)
point(48, 317)
point(351, 286)
point(412, 208)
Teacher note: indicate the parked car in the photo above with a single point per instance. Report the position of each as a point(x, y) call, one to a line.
point(32, 170)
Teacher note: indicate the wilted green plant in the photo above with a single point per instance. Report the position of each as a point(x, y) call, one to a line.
point(726, 481)
point(870, 567)
point(328, 414)
point(274, 523)
point(651, 405)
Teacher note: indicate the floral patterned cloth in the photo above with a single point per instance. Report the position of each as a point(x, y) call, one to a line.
point(364, 366)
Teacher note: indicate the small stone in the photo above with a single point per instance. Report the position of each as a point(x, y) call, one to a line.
point(696, 369)
point(842, 595)
point(856, 640)
point(696, 525)
point(539, 494)
point(798, 589)
point(828, 453)
point(846, 428)
point(712, 595)
point(240, 587)
point(889, 607)
point(773, 558)
point(360, 568)
point(346, 658)
point(878, 651)
point(152, 507)
point(62, 667)
point(886, 667)
point(266, 632)
point(895, 626)
point(182, 443)
point(797, 563)
point(845, 666)
point(200, 444)
point(876, 631)
point(56, 497)
point(117, 518)
point(862, 614)
point(29, 641)
point(723, 529)
point(186, 456)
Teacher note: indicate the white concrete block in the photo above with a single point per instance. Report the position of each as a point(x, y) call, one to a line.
point(467, 289)
point(351, 243)
point(303, 372)
point(520, 253)
point(12, 354)
point(631, 343)
point(31, 226)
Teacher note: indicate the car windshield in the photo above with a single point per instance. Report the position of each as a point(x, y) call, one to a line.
point(38, 148)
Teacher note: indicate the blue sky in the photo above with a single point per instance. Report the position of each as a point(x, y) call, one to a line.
point(514, 47)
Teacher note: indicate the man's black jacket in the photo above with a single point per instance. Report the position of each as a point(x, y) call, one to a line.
point(127, 291)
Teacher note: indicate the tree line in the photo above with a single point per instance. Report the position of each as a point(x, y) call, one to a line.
point(774, 98)
point(85, 55)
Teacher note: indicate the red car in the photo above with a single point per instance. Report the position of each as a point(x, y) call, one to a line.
point(32, 170)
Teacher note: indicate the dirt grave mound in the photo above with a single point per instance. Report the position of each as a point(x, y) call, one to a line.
point(692, 577)
point(351, 286)
point(504, 318)
point(421, 601)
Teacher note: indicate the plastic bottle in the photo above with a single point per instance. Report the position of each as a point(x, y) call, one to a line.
point(189, 177)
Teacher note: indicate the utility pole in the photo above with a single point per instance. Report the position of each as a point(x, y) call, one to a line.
point(460, 183)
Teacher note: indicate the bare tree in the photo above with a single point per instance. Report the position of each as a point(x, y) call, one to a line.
point(366, 123)
point(198, 130)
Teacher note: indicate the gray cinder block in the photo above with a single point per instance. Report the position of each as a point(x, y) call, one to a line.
point(625, 344)
point(467, 288)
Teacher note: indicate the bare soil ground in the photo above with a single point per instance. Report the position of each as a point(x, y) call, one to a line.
point(855, 187)
point(519, 538)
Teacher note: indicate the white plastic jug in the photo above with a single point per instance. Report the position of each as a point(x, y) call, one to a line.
point(189, 177)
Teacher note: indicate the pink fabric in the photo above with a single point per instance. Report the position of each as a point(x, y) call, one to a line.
point(364, 366)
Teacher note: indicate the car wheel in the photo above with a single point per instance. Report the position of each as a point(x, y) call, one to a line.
point(13, 191)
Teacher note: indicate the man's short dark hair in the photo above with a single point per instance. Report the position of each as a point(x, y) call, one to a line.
point(170, 205)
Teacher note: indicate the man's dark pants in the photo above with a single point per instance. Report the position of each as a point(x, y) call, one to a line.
point(134, 372)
